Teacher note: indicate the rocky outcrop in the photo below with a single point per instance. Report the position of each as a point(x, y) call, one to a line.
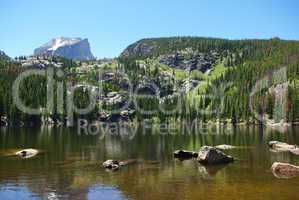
point(138, 49)
point(188, 85)
point(113, 98)
point(71, 48)
point(147, 87)
point(39, 62)
point(285, 170)
point(184, 154)
point(27, 153)
point(190, 61)
point(210, 156)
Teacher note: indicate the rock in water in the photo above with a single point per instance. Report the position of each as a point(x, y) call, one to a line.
point(27, 153)
point(285, 170)
point(210, 156)
point(111, 164)
point(183, 154)
point(71, 48)
point(281, 146)
point(225, 147)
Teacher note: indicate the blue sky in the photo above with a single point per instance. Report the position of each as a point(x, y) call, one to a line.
point(112, 25)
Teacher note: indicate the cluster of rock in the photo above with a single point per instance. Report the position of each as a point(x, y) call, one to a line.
point(191, 61)
point(147, 87)
point(207, 155)
point(284, 170)
point(123, 115)
point(39, 62)
point(113, 98)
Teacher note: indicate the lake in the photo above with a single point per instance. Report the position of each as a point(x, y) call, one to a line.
point(70, 165)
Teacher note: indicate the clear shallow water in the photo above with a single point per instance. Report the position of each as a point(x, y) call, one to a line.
point(69, 166)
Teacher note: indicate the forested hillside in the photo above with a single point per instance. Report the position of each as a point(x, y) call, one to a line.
point(211, 80)
point(235, 93)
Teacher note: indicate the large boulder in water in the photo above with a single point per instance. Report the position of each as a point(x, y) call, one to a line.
point(27, 153)
point(183, 154)
point(285, 170)
point(210, 156)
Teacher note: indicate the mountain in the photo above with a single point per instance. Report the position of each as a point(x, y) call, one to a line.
point(3, 56)
point(237, 80)
point(150, 47)
point(185, 53)
point(71, 48)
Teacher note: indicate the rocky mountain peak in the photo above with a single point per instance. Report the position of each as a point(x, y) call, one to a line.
point(3, 56)
point(71, 48)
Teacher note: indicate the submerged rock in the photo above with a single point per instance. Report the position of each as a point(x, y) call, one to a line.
point(285, 170)
point(225, 147)
point(27, 153)
point(281, 146)
point(183, 154)
point(211, 155)
point(127, 162)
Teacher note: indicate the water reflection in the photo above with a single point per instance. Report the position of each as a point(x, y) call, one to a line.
point(101, 192)
point(70, 165)
point(10, 192)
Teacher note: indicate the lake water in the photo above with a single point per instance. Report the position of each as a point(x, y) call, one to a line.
point(69, 166)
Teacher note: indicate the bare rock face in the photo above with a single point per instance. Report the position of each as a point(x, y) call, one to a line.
point(71, 48)
point(138, 49)
point(190, 61)
point(211, 156)
point(285, 170)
